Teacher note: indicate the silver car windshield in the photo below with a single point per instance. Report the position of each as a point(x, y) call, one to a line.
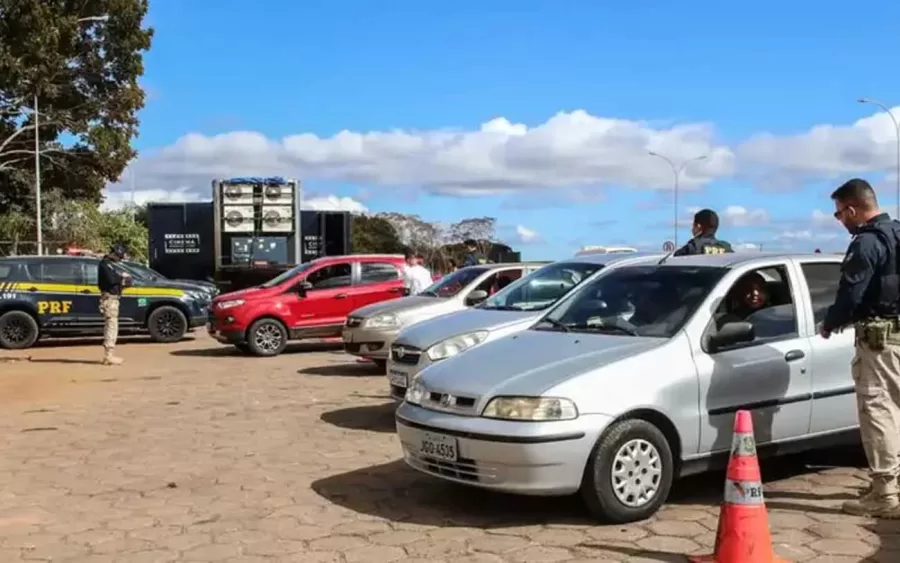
point(451, 284)
point(653, 301)
point(542, 288)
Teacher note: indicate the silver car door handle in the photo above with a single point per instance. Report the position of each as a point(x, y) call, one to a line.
point(794, 355)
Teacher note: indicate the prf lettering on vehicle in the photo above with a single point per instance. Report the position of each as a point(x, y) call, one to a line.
point(713, 250)
point(54, 307)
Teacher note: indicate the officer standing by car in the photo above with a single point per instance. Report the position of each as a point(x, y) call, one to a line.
point(111, 281)
point(868, 297)
point(472, 257)
point(703, 231)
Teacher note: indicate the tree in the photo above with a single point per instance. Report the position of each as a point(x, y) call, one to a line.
point(418, 235)
point(480, 229)
point(81, 61)
point(372, 235)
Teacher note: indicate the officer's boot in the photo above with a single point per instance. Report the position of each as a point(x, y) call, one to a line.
point(110, 360)
point(880, 499)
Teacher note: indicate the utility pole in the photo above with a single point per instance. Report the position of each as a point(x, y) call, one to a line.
point(37, 177)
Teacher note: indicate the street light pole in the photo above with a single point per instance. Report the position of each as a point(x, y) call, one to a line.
point(37, 153)
point(37, 177)
point(897, 132)
point(676, 172)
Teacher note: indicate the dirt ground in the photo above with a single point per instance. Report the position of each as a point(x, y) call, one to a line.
point(191, 452)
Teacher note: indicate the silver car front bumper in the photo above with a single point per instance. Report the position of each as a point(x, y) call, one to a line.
point(533, 458)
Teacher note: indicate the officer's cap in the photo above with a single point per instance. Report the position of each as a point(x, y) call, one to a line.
point(119, 250)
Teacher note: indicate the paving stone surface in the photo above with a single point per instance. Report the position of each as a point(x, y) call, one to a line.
point(191, 453)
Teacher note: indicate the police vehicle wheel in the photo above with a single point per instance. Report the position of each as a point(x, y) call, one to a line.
point(267, 337)
point(629, 474)
point(167, 324)
point(18, 330)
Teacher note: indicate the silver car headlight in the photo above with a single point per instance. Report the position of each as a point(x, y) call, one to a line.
point(455, 345)
point(415, 392)
point(535, 409)
point(382, 321)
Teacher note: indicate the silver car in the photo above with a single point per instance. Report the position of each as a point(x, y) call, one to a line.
point(369, 331)
point(634, 378)
point(508, 311)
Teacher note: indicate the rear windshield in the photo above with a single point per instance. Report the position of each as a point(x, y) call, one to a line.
point(635, 301)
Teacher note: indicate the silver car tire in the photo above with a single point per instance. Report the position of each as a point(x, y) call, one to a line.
point(597, 487)
point(267, 337)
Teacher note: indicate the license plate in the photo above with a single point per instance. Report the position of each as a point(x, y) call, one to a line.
point(438, 446)
point(347, 336)
point(398, 378)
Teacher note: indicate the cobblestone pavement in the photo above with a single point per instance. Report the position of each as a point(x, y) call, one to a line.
point(192, 453)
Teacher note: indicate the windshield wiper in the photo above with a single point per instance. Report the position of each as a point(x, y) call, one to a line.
point(555, 324)
point(605, 328)
point(428, 294)
point(501, 308)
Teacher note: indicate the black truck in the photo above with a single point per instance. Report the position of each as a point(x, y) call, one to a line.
point(252, 230)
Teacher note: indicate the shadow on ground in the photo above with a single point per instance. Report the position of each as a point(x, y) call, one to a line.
point(97, 341)
point(375, 418)
point(395, 492)
point(344, 369)
point(227, 350)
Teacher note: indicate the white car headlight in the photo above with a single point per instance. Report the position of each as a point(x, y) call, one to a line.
point(415, 392)
point(455, 345)
point(230, 304)
point(531, 408)
point(382, 321)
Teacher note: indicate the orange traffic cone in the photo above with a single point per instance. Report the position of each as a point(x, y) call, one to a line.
point(743, 535)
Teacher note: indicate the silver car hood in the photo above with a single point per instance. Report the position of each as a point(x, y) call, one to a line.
point(426, 334)
point(530, 362)
point(395, 306)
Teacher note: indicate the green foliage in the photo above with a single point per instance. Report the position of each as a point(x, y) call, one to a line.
point(372, 234)
point(82, 60)
point(80, 223)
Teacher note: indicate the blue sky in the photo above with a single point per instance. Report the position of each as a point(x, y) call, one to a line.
point(728, 73)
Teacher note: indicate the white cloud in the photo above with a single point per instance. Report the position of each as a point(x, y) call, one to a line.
point(730, 216)
point(526, 235)
point(120, 199)
point(746, 247)
point(334, 203)
point(824, 152)
point(571, 149)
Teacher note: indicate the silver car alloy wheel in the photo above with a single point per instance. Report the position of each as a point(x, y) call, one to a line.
point(268, 338)
point(636, 473)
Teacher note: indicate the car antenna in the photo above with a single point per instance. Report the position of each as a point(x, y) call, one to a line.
point(664, 258)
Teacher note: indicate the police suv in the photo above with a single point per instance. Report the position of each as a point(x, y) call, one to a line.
point(58, 296)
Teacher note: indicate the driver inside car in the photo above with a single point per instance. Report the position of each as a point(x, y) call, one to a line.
point(749, 295)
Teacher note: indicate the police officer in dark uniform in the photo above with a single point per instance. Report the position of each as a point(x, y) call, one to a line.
point(111, 281)
point(704, 241)
point(472, 257)
point(868, 297)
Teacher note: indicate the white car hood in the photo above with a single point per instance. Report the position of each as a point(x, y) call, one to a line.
point(426, 334)
point(530, 362)
point(401, 305)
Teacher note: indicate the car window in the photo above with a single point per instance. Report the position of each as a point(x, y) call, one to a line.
point(542, 287)
point(377, 272)
point(763, 298)
point(331, 276)
point(451, 284)
point(653, 301)
point(822, 279)
point(60, 271)
point(6, 272)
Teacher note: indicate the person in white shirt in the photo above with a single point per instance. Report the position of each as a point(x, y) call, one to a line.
point(415, 276)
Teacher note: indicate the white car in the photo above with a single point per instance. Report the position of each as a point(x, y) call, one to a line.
point(508, 311)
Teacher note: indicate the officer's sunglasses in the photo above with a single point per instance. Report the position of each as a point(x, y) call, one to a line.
point(840, 212)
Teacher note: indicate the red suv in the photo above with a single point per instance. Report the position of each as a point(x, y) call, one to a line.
point(311, 300)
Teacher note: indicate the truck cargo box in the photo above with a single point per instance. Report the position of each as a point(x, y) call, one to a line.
point(181, 240)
